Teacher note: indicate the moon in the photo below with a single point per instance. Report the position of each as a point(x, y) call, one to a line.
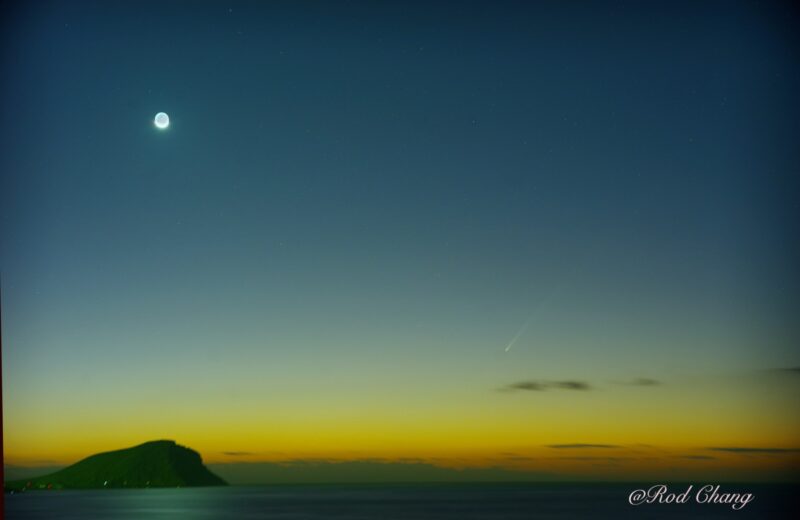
point(162, 120)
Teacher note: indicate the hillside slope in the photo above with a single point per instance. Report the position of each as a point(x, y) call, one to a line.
point(152, 464)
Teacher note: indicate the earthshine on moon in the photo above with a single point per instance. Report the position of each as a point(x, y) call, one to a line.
point(162, 120)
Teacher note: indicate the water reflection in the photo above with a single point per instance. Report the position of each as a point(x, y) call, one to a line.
point(384, 502)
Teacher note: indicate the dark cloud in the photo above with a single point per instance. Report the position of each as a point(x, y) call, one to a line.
point(540, 386)
point(782, 372)
point(526, 385)
point(641, 381)
point(571, 385)
point(581, 446)
point(696, 457)
point(594, 459)
point(754, 450)
point(237, 453)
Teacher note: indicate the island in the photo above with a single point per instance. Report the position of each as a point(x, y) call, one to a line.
point(154, 464)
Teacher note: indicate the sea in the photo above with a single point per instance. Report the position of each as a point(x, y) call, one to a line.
point(388, 502)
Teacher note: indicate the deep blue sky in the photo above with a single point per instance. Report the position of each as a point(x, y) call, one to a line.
point(360, 186)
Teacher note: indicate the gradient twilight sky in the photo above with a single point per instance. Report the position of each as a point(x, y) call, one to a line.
point(357, 207)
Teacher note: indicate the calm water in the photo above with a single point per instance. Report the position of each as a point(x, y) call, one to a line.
point(384, 502)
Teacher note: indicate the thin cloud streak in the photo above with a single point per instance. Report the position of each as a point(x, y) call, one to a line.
point(737, 449)
point(641, 381)
point(582, 446)
point(541, 386)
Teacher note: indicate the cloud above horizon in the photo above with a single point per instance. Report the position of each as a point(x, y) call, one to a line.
point(582, 446)
point(737, 449)
point(541, 386)
point(641, 381)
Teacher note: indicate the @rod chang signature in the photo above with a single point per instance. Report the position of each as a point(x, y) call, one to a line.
point(707, 494)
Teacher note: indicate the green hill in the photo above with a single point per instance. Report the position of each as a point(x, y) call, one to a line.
point(152, 464)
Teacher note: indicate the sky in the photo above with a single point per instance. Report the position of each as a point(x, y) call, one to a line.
point(555, 238)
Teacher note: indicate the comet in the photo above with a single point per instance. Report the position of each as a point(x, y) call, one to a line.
point(547, 298)
point(520, 333)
